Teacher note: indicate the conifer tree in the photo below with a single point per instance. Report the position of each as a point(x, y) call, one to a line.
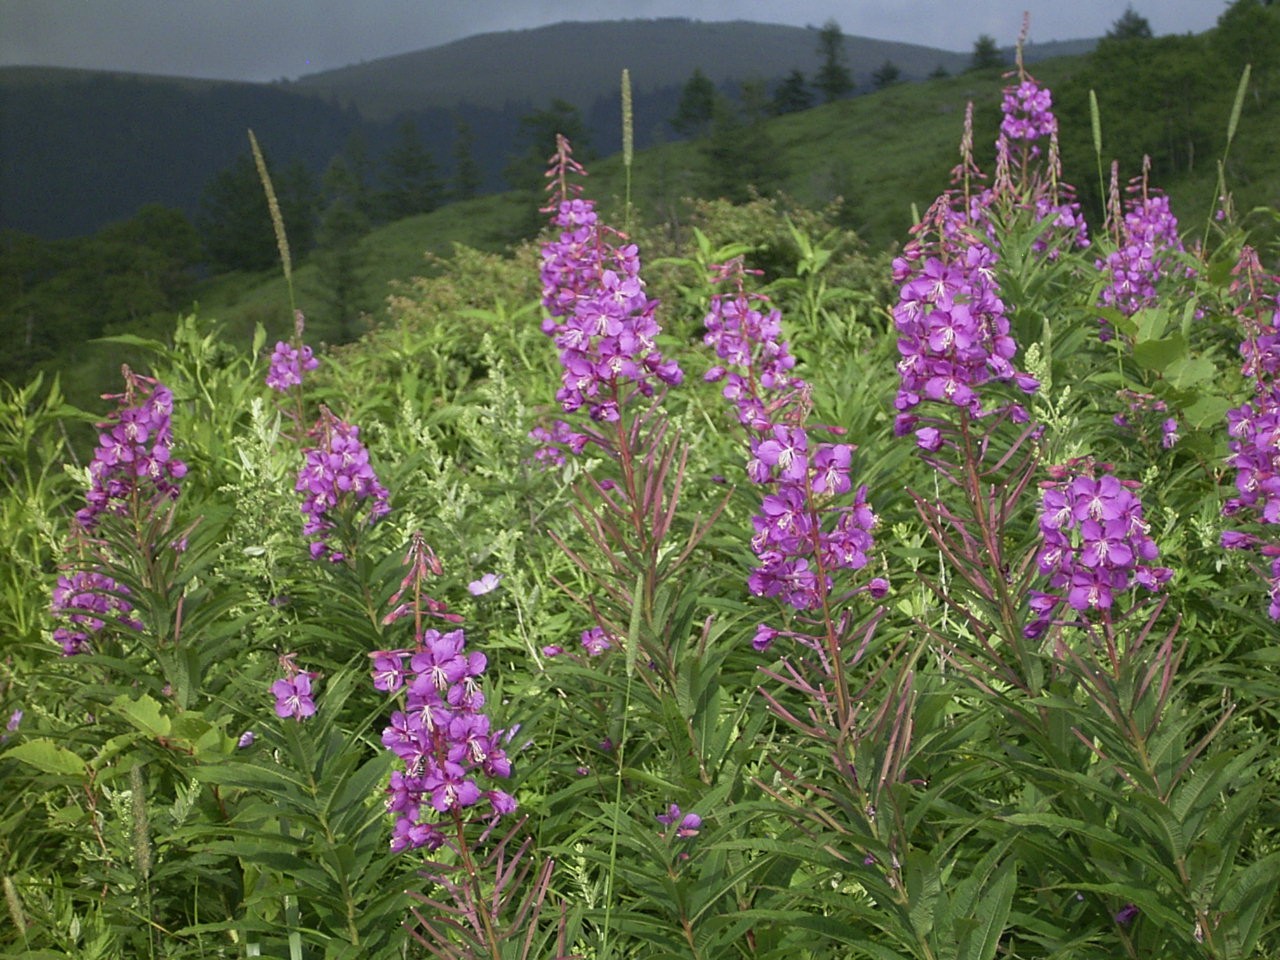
point(342, 273)
point(538, 132)
point(466, 172)
point(697, 106)
point(986, 53)
point(792, 95)
point(410, 177)
point(1130, 26)
point(833, 79)
point(886, 75)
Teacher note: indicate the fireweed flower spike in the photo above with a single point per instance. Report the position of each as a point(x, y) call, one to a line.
point(336, 475)
point(1028, 174)
point(1254, 427)
point(954, 336)
point(1147, 243)
point(442, 736)
point(745, 333)
point(133, 471)
point(133, 462)
point(1096, 545)
point(87, 600)
point(801, 534)
point(598, 313)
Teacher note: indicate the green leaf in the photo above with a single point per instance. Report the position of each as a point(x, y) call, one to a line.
point(982, 942)
point(131, 340)
point(923, 887)
point(1186, 372)
point(1157, 355)
point(47, 756)
point(144, 713)
point(1207, 410)
point(1151, 323)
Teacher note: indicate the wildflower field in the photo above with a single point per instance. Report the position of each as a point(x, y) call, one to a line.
point(735, 594)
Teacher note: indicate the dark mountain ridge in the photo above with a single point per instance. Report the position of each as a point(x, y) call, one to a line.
point(576, 61)
point(80, 149)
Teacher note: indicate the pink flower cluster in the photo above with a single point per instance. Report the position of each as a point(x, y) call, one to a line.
point(86, 600)
point(1148, 241)
point(757, 363)
point(797, 543)
point(1027, 111)
point(802, 533)
point(599, 315)
point(288, 363)
point(954, 336)
point(1027, 118)
point(134, 456)
point(442, 737)
point(1096, 545)
point(336, 475)
point(1254, 426)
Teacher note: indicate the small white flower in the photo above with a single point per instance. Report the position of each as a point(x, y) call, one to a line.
point(486, 584)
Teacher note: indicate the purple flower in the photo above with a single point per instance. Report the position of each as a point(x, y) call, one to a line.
point(293, 696)
point(388, 670)
point(442, 737)
point(1095, 544)
point(411, 834)
point(688, 825)
point(288, 363)
point(595, 641)
point(1145, 255)
point(598, 313)
point(133, 462)
point(246, 739)
point(336, 476)
point(1128, 913)
point(765, 635)
point(15, 720)
point(87, 602)
point(486, 584)
point(757, 362)
point(1028, 113)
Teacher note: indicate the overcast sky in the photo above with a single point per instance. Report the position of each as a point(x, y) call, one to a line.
point(270, 39)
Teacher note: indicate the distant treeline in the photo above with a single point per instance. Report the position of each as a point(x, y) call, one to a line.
point(81, 151)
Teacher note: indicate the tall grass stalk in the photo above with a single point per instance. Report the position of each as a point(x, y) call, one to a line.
point(1220, 188)
point(628, 144)
point(16, 913)
point(142, 850)
point(277, 219)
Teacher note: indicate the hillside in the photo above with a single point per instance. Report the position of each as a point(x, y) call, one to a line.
point(81, 149)
point(885, 156)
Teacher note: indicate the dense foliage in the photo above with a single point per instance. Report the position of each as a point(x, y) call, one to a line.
point(759, 598)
